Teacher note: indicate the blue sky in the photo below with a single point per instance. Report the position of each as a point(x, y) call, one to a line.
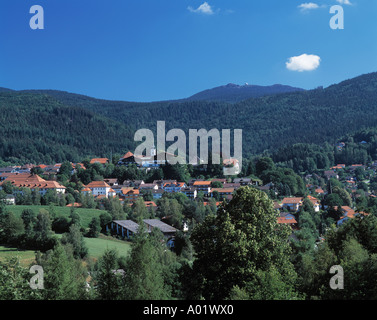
point(149, 50)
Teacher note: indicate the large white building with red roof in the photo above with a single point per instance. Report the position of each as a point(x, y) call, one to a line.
point(32, 182)
point(99, 188)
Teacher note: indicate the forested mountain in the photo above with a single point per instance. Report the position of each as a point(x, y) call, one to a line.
point(235, 93)
point(229, 93)
point(5, 90)
point(38, 128)
point(70, 125)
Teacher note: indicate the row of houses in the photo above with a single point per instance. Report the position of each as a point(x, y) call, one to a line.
point(294, 205)
point(131, 190)
point(348, 213)
point(155, 159)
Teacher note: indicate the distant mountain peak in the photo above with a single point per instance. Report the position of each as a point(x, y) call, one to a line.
point(231, 85)
point(232, 92)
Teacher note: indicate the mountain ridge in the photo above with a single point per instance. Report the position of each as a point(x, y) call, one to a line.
point(233, 93)
point(226, 93)
point(269, 122)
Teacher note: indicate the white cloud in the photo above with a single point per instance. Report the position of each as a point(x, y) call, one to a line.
point(305, 62)
point(204, 8)
point(344, 2)
point(308, 6)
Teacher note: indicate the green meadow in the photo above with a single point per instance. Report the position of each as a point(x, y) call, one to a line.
point(96, 246)
point(26, 257)
point(86, 215)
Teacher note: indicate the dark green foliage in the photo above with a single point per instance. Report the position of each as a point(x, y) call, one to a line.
point(353, 247)
point(64, 276)
point(144, 277)
point(108, 281)
point(14, 282)
point(94, 228)
point(105, 218)
point(60, 225)
point(75, 239)
point(39, 127)
point(11, 227)
point(232, 247)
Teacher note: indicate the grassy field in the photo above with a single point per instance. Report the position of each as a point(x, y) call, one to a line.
point(86, 215)
point(26, 257)
point(96, 246)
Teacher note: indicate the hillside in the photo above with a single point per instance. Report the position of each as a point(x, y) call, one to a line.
point(54, 125)
point(5, 89)
point(38, 128)
point(270, 122)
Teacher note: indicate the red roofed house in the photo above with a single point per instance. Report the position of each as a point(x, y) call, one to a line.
point(86, 190)
point(339, 166)
point(174, 187)
point(75, 204)
point(289, 220)
point(316, 203)
point(128, 158)
point(293, 204)
point(319, 191)
point(130, 194)
point(223, 192)
point(99, 160)
point(98, 188)
point(349, 213)
point(203, 186)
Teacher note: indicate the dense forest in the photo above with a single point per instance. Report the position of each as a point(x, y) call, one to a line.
point(38, 128)
point(52, 126)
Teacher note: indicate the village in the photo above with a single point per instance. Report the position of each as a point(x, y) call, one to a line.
point(207, 191)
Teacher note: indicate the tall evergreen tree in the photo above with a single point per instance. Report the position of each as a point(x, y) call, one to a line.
point(108, 282)
point(143, 275)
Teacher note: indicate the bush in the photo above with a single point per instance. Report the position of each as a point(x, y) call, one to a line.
point(60, 225)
